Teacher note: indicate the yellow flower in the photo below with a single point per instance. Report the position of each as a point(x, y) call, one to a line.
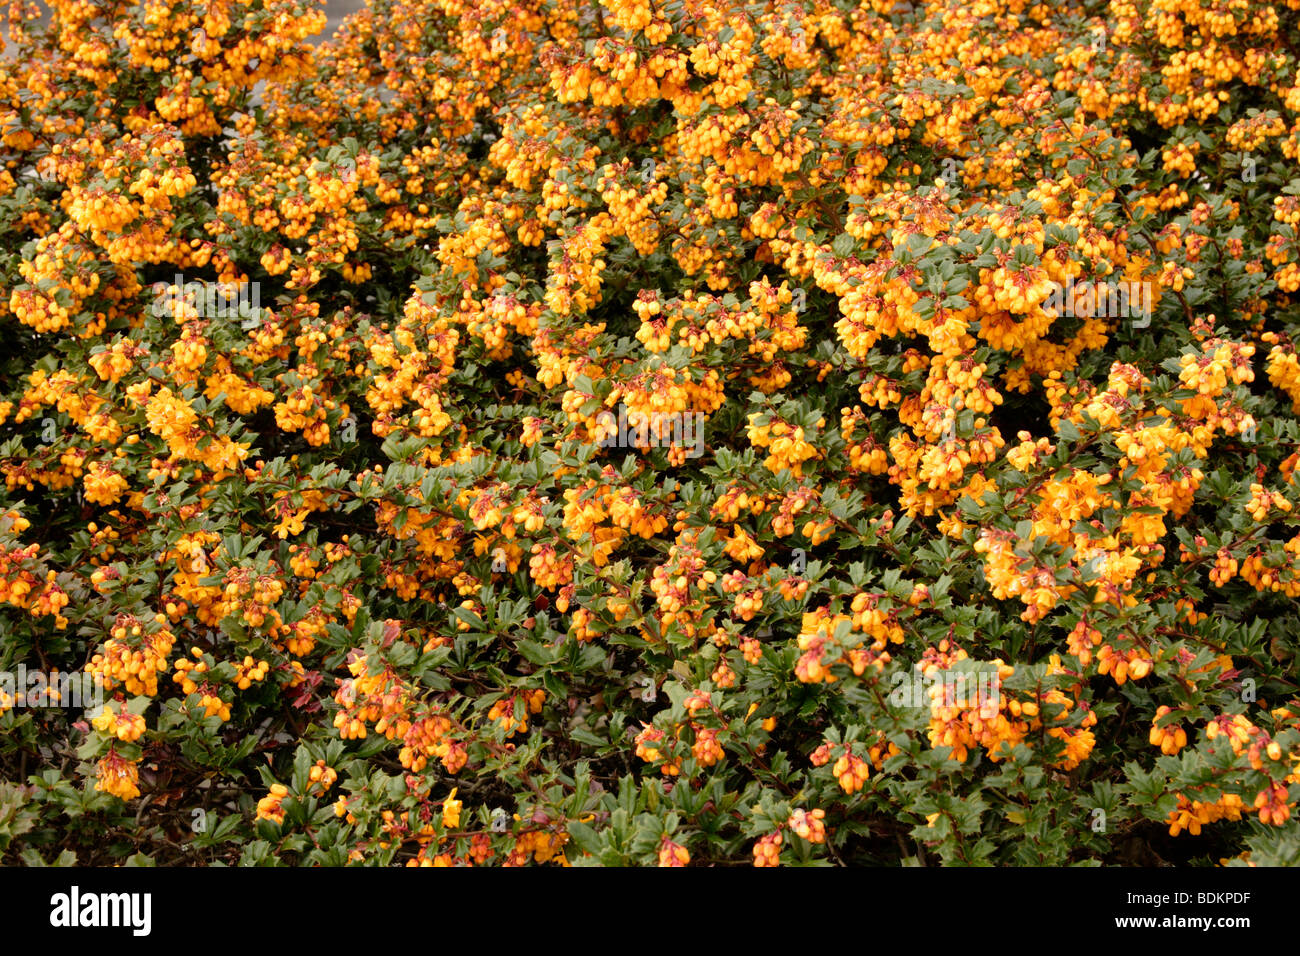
point(451, 810)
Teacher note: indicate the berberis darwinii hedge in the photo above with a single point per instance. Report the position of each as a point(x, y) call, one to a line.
point(650, 431)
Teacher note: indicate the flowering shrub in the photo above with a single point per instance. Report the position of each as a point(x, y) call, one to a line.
point(652, 432)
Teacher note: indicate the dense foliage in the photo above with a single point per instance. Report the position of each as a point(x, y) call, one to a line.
point(321, 370)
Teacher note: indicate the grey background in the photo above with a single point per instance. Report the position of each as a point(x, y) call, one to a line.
point(336, 10)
